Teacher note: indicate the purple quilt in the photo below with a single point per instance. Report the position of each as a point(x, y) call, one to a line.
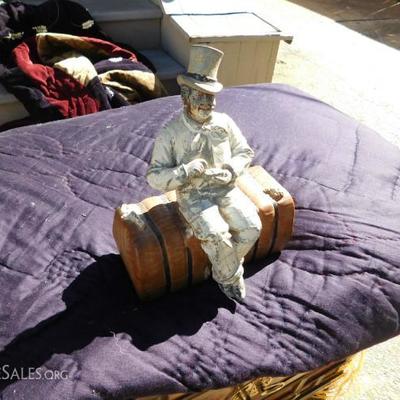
point(71, 326)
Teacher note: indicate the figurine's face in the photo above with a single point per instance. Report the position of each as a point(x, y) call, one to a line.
point(200, 105)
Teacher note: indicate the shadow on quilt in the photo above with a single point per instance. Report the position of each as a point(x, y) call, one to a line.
point(101, 302)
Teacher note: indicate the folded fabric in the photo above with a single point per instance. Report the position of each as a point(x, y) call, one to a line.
point(56, 76)
point(20, 21)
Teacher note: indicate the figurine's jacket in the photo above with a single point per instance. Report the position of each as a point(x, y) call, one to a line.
point(218, 141)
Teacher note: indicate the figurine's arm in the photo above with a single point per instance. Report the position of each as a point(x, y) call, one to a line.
point(242, 154)
point(163, 173)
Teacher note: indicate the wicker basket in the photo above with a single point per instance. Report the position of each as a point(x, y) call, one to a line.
point(325, 383)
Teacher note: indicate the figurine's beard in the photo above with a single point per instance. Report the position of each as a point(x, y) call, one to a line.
point(200, 113)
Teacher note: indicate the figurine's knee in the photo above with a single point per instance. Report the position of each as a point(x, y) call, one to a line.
point(210, 228)
point(251, 232)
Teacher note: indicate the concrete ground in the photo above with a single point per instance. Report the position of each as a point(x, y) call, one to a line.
point(360, 77)
point(377, 19)
point(356, 74)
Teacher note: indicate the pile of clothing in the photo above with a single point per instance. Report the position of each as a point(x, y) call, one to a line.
point(55, 59)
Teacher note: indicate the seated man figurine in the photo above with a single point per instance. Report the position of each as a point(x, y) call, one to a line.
point(200, 154)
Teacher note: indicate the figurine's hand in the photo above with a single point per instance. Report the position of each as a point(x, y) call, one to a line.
point(219, 175)
point(196, 167)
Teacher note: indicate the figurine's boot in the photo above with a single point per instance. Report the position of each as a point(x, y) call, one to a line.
point(227, 269)
point(217, 242)
point(243, 242)
point(235, 291)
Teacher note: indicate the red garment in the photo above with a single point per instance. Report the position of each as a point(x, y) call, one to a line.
point(59, 89)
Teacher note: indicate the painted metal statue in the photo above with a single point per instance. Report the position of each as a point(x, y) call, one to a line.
point(200, 154)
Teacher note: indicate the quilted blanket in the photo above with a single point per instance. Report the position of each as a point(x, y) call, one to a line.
point(71, 326)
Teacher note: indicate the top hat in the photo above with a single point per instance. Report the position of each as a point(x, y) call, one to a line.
point(202, 70)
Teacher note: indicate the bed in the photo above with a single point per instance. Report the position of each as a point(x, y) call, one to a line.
point(66, 301)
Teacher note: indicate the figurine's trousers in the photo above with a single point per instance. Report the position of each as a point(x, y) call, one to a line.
point(227, 227)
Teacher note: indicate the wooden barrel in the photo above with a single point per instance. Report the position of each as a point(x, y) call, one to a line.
point(160, 252)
